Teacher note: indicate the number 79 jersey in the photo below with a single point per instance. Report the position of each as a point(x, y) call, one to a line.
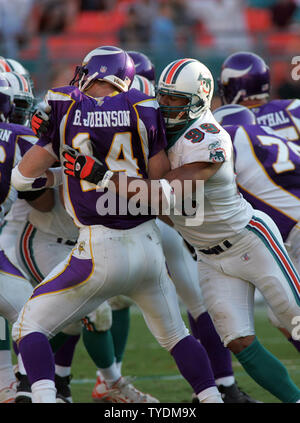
point(268, 173)
point(123, 131)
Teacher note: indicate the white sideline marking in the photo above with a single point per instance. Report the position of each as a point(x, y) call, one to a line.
point(163, 377)
point(287, 363)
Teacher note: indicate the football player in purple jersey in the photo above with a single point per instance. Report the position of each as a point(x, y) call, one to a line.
point(42, 201)
point(245, 80)
point(15, 140)
point(268, 172)
point(143, 65)
point(125, 129)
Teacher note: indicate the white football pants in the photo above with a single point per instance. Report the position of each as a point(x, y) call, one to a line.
point(106, 263)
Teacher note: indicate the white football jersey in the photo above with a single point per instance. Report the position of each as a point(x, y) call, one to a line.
point(56, 222)
point(226, 212)
point(19, 211)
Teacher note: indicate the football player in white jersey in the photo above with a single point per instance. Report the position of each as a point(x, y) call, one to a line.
point(238, 248)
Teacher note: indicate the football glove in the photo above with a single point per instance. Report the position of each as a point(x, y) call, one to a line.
point(40, 119)
point(82, 166)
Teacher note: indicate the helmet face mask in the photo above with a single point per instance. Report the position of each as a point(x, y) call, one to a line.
point(189, 79)
point(175, 115)
point(6, 98)
point(244, 76)
point(22, 97)
point(107, 63)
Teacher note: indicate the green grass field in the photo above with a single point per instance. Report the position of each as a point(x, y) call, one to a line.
point(156, 372)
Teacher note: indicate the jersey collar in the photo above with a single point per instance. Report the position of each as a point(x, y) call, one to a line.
point(173, 138)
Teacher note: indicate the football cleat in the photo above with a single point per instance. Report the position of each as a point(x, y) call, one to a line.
point(63, 390)
point(61, 399)
point(122, 391)
point(23, 394)
point(8, 394)
point(233, 395)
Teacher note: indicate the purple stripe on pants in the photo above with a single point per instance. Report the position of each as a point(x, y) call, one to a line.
point(76, 272)
point(7, 266)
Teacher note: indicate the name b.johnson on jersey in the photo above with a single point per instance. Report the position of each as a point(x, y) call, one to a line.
point(102, 119)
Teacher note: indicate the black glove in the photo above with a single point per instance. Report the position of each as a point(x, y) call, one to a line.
point(82, 166)
point(40, 119)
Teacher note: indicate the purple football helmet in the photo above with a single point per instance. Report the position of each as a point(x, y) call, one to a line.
point(6, 98)
point(106, 63)
point(234, 114)
point(143, 65)
point(244, 76)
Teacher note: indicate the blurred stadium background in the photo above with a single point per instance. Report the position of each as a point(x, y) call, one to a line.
point(50, 37)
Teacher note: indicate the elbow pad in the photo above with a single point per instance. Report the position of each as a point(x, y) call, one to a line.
point(22, 183)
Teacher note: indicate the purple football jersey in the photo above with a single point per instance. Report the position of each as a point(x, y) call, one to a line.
point(268, 173)
point(123, 131)
point(15, 140)
point(281, 115)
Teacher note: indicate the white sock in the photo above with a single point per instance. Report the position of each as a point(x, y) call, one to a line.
point(111, 374)
point(43, 391)
point(7, 376)
point(62, 371)
point(210, 395)
point(21, 365)
point(225, 381)
point(119, 365)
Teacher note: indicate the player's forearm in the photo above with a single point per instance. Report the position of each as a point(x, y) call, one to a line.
point(198, 171)
point(129, 187)
point(49, 179)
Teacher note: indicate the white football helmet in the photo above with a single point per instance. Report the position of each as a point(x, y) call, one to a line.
point(185, 78)
point(6, 99)
point(22, 97)
point(12, 65)
point(143, 84)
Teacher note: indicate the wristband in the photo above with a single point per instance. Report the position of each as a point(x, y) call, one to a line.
point(106, 178)
point(22, 183)
point(57, 176)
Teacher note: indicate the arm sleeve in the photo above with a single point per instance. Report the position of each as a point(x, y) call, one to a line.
point(60, 101)
point(212, 149)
